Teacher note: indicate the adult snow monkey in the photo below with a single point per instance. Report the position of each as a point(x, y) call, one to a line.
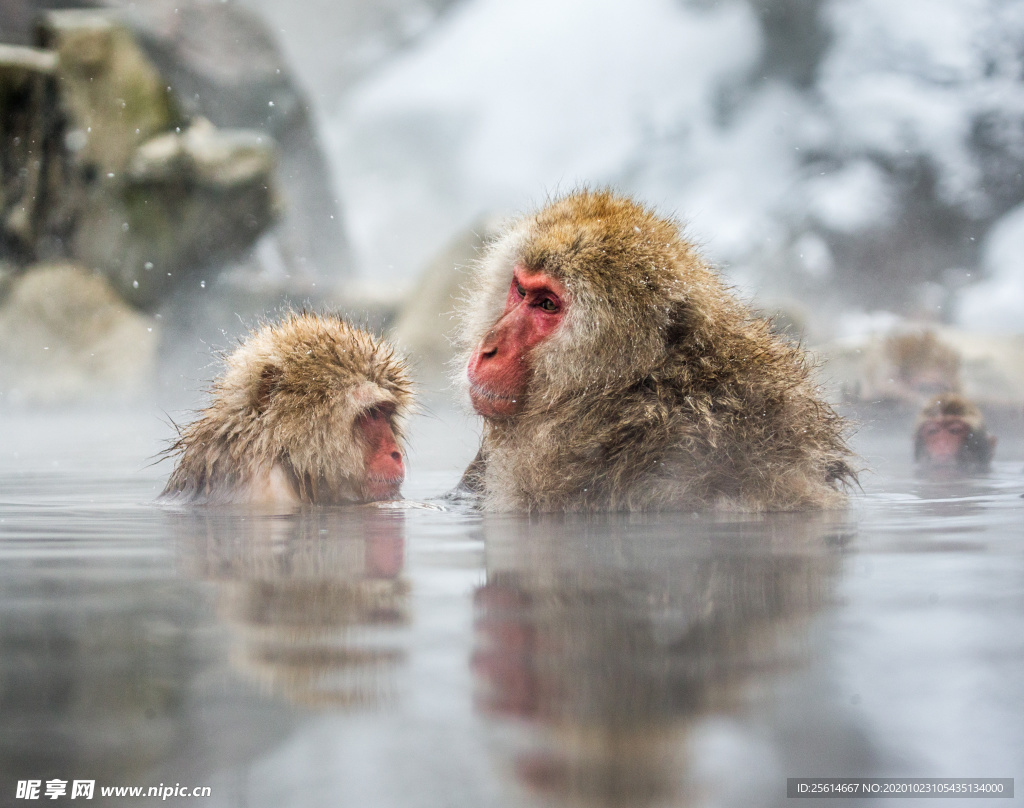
point(615, 371)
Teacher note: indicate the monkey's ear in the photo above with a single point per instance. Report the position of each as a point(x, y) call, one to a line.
point(268, 380)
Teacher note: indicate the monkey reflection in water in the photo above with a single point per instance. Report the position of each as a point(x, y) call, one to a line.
point(951, 437)
point(308, 410)
point(615, 371)
point(311, 600)
point(606, 649)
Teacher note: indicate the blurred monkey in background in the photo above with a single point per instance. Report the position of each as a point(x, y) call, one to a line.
point(951, 435)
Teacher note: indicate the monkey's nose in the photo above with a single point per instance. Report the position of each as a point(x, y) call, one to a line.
point(396, 463)
point(488, 346)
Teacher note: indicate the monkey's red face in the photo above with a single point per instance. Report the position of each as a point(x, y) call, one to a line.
point(942, 438)
point(500, 368)
point(385, 470)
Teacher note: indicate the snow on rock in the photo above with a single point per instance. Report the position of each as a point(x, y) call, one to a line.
point(996, 304)
point(912, 79)
point(867, 185)
point(507, 102)
point(855, 197)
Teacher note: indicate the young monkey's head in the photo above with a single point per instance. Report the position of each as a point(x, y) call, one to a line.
point(309, 409)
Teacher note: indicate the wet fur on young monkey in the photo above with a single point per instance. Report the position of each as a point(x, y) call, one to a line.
point(308, 410)
point(615, 371)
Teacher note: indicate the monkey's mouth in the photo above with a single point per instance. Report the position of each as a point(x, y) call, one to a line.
point(377, 488)
point(491, 404)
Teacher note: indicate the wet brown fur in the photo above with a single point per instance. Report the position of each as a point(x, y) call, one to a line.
point(289, 398)
point(660, 390)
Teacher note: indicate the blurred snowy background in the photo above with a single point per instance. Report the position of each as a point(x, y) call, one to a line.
point(853, 164)
point(858, 154)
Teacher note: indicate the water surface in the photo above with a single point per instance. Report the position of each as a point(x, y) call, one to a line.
point(425, 658)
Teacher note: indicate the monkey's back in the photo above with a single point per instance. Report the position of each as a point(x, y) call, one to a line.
point(750, 427)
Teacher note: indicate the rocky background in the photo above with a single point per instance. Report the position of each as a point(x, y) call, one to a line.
point(178, 169)
point(159, 171)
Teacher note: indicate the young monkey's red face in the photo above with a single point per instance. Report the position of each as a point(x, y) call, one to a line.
point(943, 438)
point(382, 456)
point(500, 368)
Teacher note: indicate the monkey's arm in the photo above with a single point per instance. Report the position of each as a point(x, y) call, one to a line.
point(472, 481)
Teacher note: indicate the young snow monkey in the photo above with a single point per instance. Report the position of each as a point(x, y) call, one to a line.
point(308, 410)
point(951, 435)
point(614, 370)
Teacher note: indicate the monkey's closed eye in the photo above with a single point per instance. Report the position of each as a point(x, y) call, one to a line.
point(385, 410)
